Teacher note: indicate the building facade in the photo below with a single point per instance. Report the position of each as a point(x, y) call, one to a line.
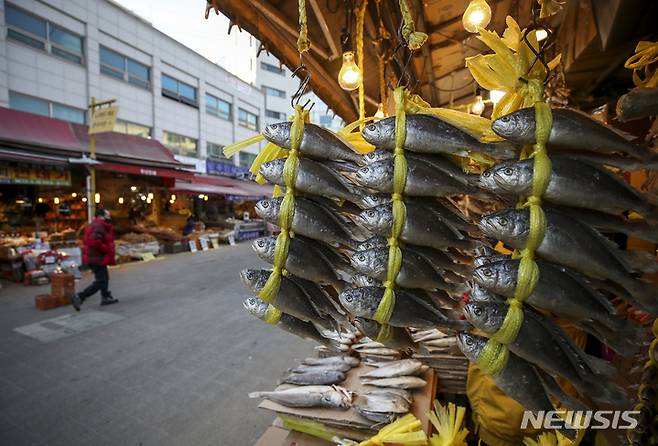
point(55, 56)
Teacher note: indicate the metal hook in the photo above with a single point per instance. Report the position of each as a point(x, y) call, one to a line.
point(548, 41)
point(296, 97)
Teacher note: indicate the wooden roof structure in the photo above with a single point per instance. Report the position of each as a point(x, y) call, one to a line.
point(594, 36)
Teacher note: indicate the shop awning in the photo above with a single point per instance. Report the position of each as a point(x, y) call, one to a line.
point(32, 158)
point(146, 170)
point(248, 188)
point(27, 129)
point(198, 188)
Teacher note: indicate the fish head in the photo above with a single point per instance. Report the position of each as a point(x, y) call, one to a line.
point(489, 258)
point(255, 306)
point(376, 175)
point(381, 133)
point(373, 200)
point(264, 246)
point(509, 225)
point(372, 243)
point(478, 293)
point(362, 280)
point(378, 219)
point(497, 276)
point(488, 317)
point(272, 171)
point(367, 326)
point(371, 261)
point(512, 176)
point(360, 301)
point(518, 126)
point(268, 209)
point(470, 344)
point(376, 156)
point(278, 133)
point(254, 279)
point(486, 180)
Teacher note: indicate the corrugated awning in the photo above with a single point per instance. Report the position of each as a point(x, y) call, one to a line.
point(200, 188)
point(35, 130)
point(32, 158)
point(146, 170)
point(249, 188)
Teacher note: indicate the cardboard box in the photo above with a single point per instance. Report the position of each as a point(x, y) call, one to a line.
point(45, 302)
point(348, 422)
point(62, 286)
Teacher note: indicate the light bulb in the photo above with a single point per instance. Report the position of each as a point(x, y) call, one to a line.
point(84, 199)
point(173, 197)
point(133, 188)
point(120, 200)
point(205, 198)
point(150, 195)
point(148, 200)
point(380, 112)
point(478, 105)
point(40, 200)
point(496, 95)
point(56, 200)
point(97, 198)
point(142, 197)
point(349, 76)
point(73, 195)
point(477, 15)
point(541, 34)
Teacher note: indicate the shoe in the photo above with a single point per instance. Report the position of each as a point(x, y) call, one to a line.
point(77, 301)
point(109, 301)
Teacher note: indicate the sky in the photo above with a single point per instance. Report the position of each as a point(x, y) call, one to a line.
point(188, 25)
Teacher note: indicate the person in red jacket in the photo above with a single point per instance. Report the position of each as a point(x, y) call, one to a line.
point(98, 253)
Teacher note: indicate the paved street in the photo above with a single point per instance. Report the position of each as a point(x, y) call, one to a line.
point(172, 364)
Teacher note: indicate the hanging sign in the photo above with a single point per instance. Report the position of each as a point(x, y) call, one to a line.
point(103, 120)
point(33, 175)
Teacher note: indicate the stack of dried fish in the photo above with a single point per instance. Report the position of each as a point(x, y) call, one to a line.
point(393, 380)
point(322, 371)
point(578, 267)
point(441, 352)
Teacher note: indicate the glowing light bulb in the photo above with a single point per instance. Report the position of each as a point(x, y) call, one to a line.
point(201, 196)
point(541, 34)
point(205, 198)
point(150, 196)
point(84, 199)
point(477, 15)
point(496, 95)
point(173, 197)
point(120, 200)
point(148, 200)
point(380, 112)
point(142, 197)
point(350, 74)
point(133, 188)
point(56, 200)
point(97, 198)
point(40, 200)
point(73, 195)
point(478, 105)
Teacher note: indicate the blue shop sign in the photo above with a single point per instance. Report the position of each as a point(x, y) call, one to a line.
point(215, 167)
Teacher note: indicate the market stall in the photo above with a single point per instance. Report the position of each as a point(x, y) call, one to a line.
point(466, 217)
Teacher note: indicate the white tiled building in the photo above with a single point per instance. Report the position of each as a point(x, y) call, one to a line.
point(55, 56)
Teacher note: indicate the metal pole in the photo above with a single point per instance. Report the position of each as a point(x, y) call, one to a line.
point(91, 178)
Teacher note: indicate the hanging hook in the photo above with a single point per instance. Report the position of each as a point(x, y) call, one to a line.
point(540, 55)
point(303, 84)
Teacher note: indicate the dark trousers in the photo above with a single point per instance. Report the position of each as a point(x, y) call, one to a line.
point(101, 282)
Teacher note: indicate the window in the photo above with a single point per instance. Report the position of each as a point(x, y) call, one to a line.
point(214, 150)
point(130, 128)
point(179, 144)
point(246, 159)
point(247, 119)
point(124, 68)
point(275, 115)
point(218, 107)
point(272, 68)
point(326, 120)
point(274, 92)
point(43, 107)
point(41, 34)
point(177, 90)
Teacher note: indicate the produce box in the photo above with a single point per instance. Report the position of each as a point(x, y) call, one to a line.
point(62, 286)
point(46, 302)
point(348, 422)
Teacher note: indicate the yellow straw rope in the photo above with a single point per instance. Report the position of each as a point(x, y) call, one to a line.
point(272, 315)
point(644, 60)
point(406, 431)
point(448, 422)
point(303, 44)
point(360, 18)
point(385, 334)
point(387, 304)
point(415, 39)
point(310, 427)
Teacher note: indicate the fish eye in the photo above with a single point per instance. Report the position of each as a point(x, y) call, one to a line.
point(365, 170)
point(468, 340)
point(477, 311)
point(362, 257)
point(371, 213)
point(508, 171)
point(260, 243)
point(372, 127)
point(487, 272)
point(273, 126)
point(486, 174)
point(348, 298)
point(266, 204)
point(502, 221)
point(250, 275)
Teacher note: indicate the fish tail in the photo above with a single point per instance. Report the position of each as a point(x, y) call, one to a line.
point(259, 394)
point(604, 391)
point(600, 367)
point(621, 336)
point(501, 150)
point(645, 295)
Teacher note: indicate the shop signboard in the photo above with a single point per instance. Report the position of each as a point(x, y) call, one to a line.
point(34, 175)
point(103, 120)
point(218, 167)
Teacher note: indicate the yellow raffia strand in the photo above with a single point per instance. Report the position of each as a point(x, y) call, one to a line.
point(493, 357)
point(234, 148)
point(303, 44)
point(549, 8)
point(387, 304)
point(360, 18)
point(644, 61)
point(507, 68)
point(385, 334)
point(287, 212)
point(415, 39)
point(355, 139)
point(272, 315)
point(448, 422)
point(544, 439)
point(405, 431)
point(310, 427)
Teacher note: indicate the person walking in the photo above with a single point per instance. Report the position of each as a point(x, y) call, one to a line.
point(98, 253)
